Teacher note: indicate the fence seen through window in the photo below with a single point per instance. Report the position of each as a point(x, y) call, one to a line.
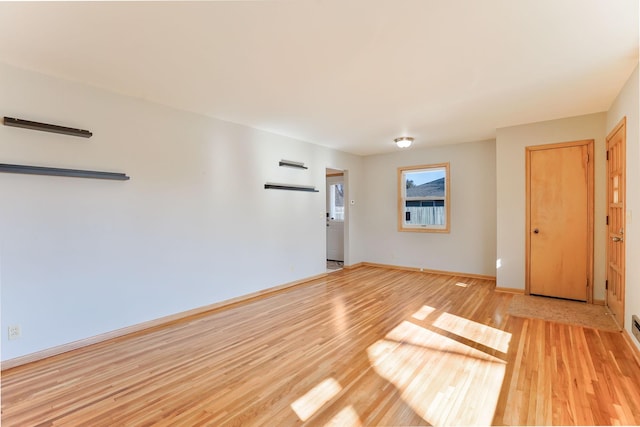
point(423, 203)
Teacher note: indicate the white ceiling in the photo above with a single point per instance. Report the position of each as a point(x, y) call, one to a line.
point(347, 74)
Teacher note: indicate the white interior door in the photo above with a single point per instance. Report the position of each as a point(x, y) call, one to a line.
point(335, 216)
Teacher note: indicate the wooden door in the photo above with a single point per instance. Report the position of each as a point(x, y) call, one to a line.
point(616, 177)
point(560, 220)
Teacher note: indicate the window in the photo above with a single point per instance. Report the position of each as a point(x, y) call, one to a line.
point(336, 202)
point(423, 198)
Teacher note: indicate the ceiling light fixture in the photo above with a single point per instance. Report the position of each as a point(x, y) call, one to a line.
point(403, 141)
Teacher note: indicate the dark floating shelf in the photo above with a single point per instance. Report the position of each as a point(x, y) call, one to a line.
point(75, 173)
point(290, 187)
point(45, 127)
point(291, 164)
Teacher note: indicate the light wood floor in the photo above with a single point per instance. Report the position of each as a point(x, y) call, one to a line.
point(368, 346)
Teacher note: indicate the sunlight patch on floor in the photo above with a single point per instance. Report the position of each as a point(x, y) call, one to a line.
point(482, 334)
point(308, 404)
point(423, 312)
point(444, 381)
point(346, 417)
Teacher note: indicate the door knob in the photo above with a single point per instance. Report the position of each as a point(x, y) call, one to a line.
point(535, 230)
point(617, 239)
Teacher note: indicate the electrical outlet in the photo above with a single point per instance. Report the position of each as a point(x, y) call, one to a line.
point(14, 332)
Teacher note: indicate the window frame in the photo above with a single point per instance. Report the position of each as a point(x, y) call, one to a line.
point(402, 199)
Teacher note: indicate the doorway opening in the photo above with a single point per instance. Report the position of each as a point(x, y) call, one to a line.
point(335, 218)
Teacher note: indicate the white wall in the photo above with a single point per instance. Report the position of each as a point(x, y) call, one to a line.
point(470, 247)
point(510, 170)
point(193, 226)
point(626, 105)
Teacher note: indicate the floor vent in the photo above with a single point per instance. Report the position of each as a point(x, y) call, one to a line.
point(635, 328)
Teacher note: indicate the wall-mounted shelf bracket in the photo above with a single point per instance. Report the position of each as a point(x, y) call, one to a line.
point(45, 127)
point(75, 173)
point(292, 164)
point(308, 188)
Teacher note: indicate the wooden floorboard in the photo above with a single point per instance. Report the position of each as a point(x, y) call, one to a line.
point(367, 346)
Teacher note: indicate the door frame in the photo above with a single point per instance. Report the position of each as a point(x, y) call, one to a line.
point(589, 143)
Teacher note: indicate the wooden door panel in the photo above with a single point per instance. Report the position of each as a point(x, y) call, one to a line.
point(616, 194)
point(560, 223)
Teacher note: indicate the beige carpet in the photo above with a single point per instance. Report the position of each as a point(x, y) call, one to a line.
point(556, 310)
